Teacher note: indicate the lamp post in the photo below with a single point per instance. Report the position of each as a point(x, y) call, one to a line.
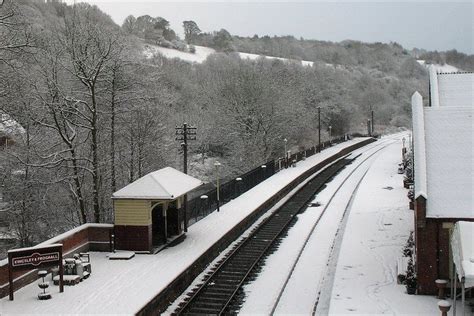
point(319, 128)
point(264, 168)
point(217, 164)
point(203, 200)
point(286, 163)
point(369, 128)
point(330, 134)
point(238, 182)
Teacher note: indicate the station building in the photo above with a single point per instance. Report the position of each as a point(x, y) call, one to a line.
point(149, 211)
point(443, 135)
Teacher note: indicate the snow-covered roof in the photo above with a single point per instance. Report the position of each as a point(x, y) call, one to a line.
point(462, 245)
point(443, 146)
point(164, 184)
point(449, 161)
point(455, 89)
point(419, 152)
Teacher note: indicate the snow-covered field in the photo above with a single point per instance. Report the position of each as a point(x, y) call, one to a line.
point(202, 53)
point(123, 287)
point(438, 67)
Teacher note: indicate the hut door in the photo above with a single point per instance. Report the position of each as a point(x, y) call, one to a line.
point(158, 225)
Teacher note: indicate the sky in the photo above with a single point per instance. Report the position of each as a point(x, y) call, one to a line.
point(432, 25)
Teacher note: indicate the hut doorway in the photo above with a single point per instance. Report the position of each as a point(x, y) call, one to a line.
point(158, 228)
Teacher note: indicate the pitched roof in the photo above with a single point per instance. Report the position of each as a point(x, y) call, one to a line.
point(449, 162)
point(164, 184)
point(443, 146)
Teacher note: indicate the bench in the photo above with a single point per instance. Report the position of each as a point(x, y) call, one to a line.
point(71, 279)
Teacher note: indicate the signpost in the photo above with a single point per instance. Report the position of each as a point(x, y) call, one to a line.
point(35, 257)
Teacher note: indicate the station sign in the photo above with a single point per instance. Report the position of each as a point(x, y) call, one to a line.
point(33, 258)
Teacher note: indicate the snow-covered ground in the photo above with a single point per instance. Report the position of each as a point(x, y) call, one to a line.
point(125, 286)
point(438, 67)
point(358, 276)
point(202, 53)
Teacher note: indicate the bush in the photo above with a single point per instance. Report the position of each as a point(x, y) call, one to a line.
point(192, 49)
point(409, 247)
point(179, 45)
point(410, 279)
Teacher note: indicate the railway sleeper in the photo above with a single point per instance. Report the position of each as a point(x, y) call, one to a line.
point(224, 287)
point(228, 271)
point(211, 300)
point(202, 311)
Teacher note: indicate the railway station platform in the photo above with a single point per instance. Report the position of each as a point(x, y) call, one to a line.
point(127, 286)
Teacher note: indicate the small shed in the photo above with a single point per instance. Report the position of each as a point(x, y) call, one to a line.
point(149, 210)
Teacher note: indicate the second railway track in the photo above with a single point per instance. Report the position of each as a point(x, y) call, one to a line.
point(216, 294)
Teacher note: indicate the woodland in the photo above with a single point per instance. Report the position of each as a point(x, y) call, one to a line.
point(85, 112)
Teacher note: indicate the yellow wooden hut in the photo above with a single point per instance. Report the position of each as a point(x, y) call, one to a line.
point(149, 211)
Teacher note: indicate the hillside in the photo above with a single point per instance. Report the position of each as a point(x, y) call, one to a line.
point(98, 113)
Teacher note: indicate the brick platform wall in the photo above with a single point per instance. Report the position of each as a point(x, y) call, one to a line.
point(87, 237)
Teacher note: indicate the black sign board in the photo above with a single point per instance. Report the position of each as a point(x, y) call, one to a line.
point(33, 258)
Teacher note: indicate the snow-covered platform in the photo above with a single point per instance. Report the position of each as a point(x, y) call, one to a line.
point(126, 286)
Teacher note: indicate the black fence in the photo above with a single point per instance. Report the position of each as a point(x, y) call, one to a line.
point(201, 206)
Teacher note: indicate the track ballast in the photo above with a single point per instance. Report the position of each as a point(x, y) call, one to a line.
point(219, 292)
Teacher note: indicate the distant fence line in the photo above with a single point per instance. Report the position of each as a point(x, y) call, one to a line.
point(198, 207)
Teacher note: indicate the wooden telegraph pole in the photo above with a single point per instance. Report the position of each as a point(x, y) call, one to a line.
point(184, 134)
point(319, 129)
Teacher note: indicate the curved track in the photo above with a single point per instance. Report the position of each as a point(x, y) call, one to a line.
point(221, 289)
point(376, 149)
point(215, 295)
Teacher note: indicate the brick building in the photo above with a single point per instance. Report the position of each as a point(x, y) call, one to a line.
point(443, 169)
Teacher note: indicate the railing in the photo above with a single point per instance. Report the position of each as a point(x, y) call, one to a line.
point(199, 208)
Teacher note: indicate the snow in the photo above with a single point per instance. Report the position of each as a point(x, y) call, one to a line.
point(59, 238)
point(203, 52)
point(445, 68)
point(164, 184)
point(456, 89)
point(443, 142)
point(9, 125)
point(434, 93)
point(312, 234)
point(377, 229)
point(419, 146)
point(31, 248)
point(255, 56)
point(358, 275)
point(439, 68)
point(449, 162)
point(124, 286)
point(199, 56)
point(462, 245)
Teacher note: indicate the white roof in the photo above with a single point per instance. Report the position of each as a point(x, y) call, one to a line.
point(419, 152)
point(164, 184)
point(449, 162)
point(462, 245)
point(455, 89)
point(443, 146)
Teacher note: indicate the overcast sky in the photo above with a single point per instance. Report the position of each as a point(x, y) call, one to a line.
point(433, 25)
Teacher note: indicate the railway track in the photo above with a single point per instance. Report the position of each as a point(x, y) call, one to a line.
point(340, 228)
point(216, 294)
